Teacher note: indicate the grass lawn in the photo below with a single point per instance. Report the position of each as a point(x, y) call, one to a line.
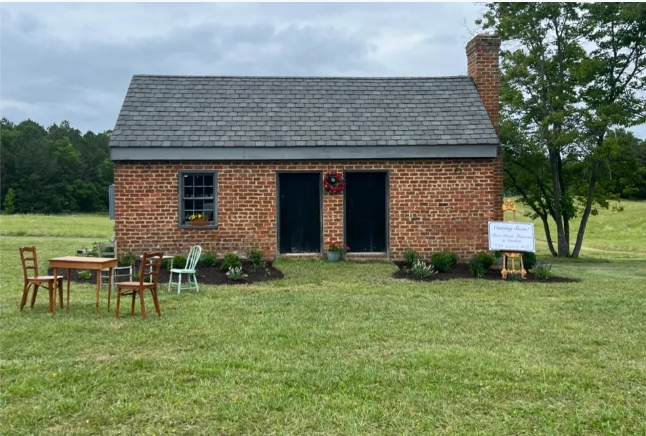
point(609, 231)
point(332, 349)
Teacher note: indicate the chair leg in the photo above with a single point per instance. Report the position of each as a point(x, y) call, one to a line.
point(179, 284)
point(170, 282)
point(143, 304)
point(33, 295)
point(197, 288)
point(25, 293)
point(156, 301)
point(118, 301)
point(132, 311)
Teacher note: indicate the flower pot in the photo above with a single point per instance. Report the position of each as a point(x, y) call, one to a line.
point(333, 256)
point(199, 222)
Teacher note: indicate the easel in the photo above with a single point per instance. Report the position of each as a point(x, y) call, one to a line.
point(509, 205)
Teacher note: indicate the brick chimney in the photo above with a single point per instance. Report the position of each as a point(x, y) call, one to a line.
point(483, 53)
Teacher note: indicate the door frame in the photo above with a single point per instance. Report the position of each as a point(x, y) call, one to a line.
point(278, 173)
point(387, 193)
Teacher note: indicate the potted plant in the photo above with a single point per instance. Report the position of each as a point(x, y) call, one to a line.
point(198, 220)
point(335, 250)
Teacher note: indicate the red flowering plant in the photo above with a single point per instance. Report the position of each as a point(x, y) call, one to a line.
point(333, 182)
point(337, 246)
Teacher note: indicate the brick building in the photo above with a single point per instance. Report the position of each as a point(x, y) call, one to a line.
point(420, 157)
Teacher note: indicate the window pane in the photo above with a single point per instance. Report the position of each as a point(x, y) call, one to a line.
point(188, 192)
point(198, 191)
point(188, 180)
point(208, 191)
point(199, 180)
point(208, 180)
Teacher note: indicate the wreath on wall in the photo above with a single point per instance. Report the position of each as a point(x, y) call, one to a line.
point(333, 182)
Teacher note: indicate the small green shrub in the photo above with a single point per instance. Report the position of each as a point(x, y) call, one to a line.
point(529, 260)
point(514, 277)
point(231, 260)
point(422, 270)
point(235, 273)
point(542, 271)
point(486, 259)
point(209, 259)
point(476, 268)
point(8, 205)
point(453, 257)
point(179, 262)
point(84, 275)
point(254, 256)
point(128, 259)
point(442, 261)
point(165, 264)
point(411, 256)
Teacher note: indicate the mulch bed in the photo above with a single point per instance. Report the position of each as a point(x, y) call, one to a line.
point(205, 275)
point(461, 271)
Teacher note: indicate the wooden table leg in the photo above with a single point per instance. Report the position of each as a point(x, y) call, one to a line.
point(69, 279)
point(98, 288)
point(109, 286)
point(52, 293)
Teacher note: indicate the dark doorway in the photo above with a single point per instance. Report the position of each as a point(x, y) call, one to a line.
point(299, 209)
point(365, 212)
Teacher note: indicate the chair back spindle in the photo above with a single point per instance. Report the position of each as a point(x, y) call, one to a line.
point(150, 266)
point(29, 262)
point(193, 257)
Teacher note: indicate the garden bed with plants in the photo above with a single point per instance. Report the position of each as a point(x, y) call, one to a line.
point(209, 271)
point(446, 266)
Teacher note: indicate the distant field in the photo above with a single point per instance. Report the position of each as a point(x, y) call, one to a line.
point(78, 226)
point(615, 232)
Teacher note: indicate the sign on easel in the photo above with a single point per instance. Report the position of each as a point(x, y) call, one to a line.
point(513, 239)
point(511, 236)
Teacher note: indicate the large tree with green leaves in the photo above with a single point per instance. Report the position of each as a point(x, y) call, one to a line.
point(571, 73)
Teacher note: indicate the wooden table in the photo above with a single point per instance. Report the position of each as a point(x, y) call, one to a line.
point(92, 263)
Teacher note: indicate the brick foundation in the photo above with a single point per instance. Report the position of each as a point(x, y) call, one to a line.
point(434, 205)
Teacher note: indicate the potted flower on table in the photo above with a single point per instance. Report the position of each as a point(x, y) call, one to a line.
point(198, 220)
point(335, 250)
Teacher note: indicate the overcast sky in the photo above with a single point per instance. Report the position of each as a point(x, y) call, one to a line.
point(69, 61)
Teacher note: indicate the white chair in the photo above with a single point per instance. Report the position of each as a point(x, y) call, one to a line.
point(189, 270)
point(119, 273)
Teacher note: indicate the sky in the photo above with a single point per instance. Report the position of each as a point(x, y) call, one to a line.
point(74, 61)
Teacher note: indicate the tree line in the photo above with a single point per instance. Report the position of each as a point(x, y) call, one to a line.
point(573, 78)
point(53, 170)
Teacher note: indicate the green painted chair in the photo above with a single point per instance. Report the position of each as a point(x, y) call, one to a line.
point(189, 271)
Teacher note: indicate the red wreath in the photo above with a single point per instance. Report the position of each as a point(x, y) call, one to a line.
point(333, 182)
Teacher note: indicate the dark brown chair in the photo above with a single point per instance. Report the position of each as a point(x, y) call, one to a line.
point(150, 265)
point(36, 281)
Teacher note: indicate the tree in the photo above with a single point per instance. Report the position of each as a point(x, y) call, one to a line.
point(8, 205)
point(54, 170)
point(571, 72)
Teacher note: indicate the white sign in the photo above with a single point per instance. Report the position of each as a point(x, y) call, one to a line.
point(511, 236)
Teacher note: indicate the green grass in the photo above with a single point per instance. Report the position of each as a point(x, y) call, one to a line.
point(84, 226)
point(332, 349)
point(610, 231)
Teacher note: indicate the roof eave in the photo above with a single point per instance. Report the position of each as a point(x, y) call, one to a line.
point(301, 153)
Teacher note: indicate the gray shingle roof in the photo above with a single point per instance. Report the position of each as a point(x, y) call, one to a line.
point(196, 111)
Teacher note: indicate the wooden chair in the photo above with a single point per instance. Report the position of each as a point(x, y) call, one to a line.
point(36, 281)
point(124, 273)
point(150, 265)
point(188, 271)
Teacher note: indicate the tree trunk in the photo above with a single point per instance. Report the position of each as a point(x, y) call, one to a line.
point(587, 210)
point(548, 235)
point(563, 248)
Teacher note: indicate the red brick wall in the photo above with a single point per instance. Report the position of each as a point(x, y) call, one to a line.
point(483, 65)
point(435, 205)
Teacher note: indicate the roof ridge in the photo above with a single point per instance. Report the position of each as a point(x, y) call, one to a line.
point(303, 77)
